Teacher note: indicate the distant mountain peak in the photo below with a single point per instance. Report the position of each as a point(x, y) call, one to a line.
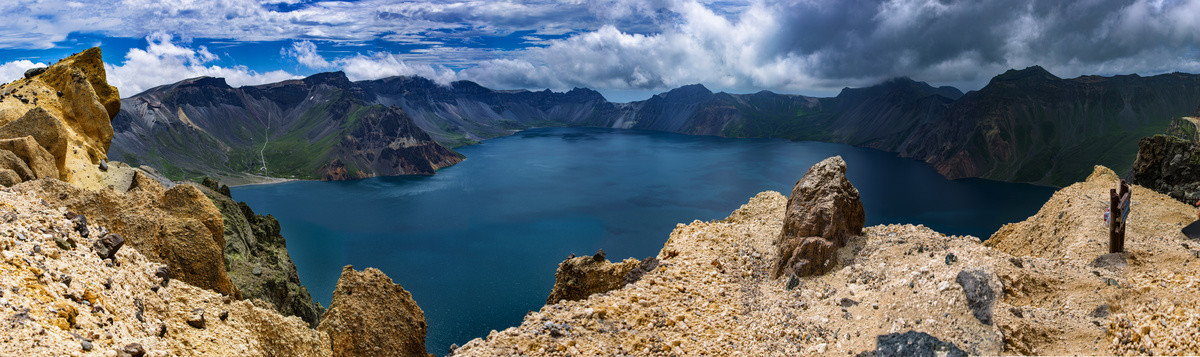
point(336, 79)
point(204, 81)
point(1029, 73)
point(690, 91)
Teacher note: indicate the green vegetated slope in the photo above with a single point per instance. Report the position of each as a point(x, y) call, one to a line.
point(294, 129)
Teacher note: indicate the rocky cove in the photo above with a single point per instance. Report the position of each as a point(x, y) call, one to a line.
point(101, 258)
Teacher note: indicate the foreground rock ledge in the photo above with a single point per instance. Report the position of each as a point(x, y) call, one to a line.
point(372, 316)
point(580, 277)
point(712, 291)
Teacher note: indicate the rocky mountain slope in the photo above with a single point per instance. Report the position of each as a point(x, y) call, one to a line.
point(320, 127)
point(1024, 126)
point(101, 258)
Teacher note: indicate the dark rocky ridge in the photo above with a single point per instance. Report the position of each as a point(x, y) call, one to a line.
point(1024, 126)
point(1170, 163)
point(257, 260)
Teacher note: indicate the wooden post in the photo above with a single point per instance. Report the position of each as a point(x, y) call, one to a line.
point(1118, 211)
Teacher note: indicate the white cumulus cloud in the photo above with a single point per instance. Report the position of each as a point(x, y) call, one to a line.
point(15, 70)
point(164, 62)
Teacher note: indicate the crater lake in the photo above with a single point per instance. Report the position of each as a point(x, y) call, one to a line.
point(477, 244)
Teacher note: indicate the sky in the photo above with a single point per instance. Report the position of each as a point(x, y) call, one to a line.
point(626, 49)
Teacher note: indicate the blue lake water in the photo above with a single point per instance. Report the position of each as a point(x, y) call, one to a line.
point(478, 243)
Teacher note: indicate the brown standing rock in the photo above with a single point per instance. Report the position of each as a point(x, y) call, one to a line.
point(823, 211)
point(580, 277)
point(372, 316)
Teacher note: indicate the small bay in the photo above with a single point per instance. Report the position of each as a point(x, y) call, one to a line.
point(478, 243)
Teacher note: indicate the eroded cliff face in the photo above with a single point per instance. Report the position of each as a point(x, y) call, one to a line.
point(257, 260)
point(67, 109)
point(1170, 163)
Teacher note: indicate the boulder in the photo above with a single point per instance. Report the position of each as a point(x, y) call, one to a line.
point(1169, 165)
point(46, 129)
point(805, 256)
point(372, 316)
point(10, 161)
point(39, 161)
point(8, 178)
point(913, 343)
point(580, 277)
point(977, 287)
point(823, 211)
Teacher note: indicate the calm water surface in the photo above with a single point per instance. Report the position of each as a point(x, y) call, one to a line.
point(478, 243)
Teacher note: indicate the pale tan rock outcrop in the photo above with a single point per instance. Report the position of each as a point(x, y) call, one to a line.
point(178, 227)
point(580, 277)
point(372, 316)
point(64, 301)
point(68, 109)
point(823, 211)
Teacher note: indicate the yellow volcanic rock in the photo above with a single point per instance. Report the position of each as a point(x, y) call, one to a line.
point(68, 108)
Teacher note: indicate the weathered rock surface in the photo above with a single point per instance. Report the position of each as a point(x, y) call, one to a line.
point(178, 227)
point(1170, 165)
point(61, 302)
point(372, 316)
point(257, 259)
point(915, 344)
point(36, 158)
point(977, 287)
point(823, 212)
point(580, 277)
point(67, 109)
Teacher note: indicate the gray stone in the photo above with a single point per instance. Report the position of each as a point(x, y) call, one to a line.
point(196, 319)
point(914, 344)
point(108, 245)
point(981, 297)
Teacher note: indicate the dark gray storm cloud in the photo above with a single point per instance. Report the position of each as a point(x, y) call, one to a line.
point(815, 45)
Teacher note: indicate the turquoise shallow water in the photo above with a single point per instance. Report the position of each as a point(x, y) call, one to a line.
point(478, 243)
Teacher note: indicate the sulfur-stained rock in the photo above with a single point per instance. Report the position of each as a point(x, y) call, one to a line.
point(72, 93)
point(580, 277)
point(39, 161)
point(372, 316)
point(823, 211)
